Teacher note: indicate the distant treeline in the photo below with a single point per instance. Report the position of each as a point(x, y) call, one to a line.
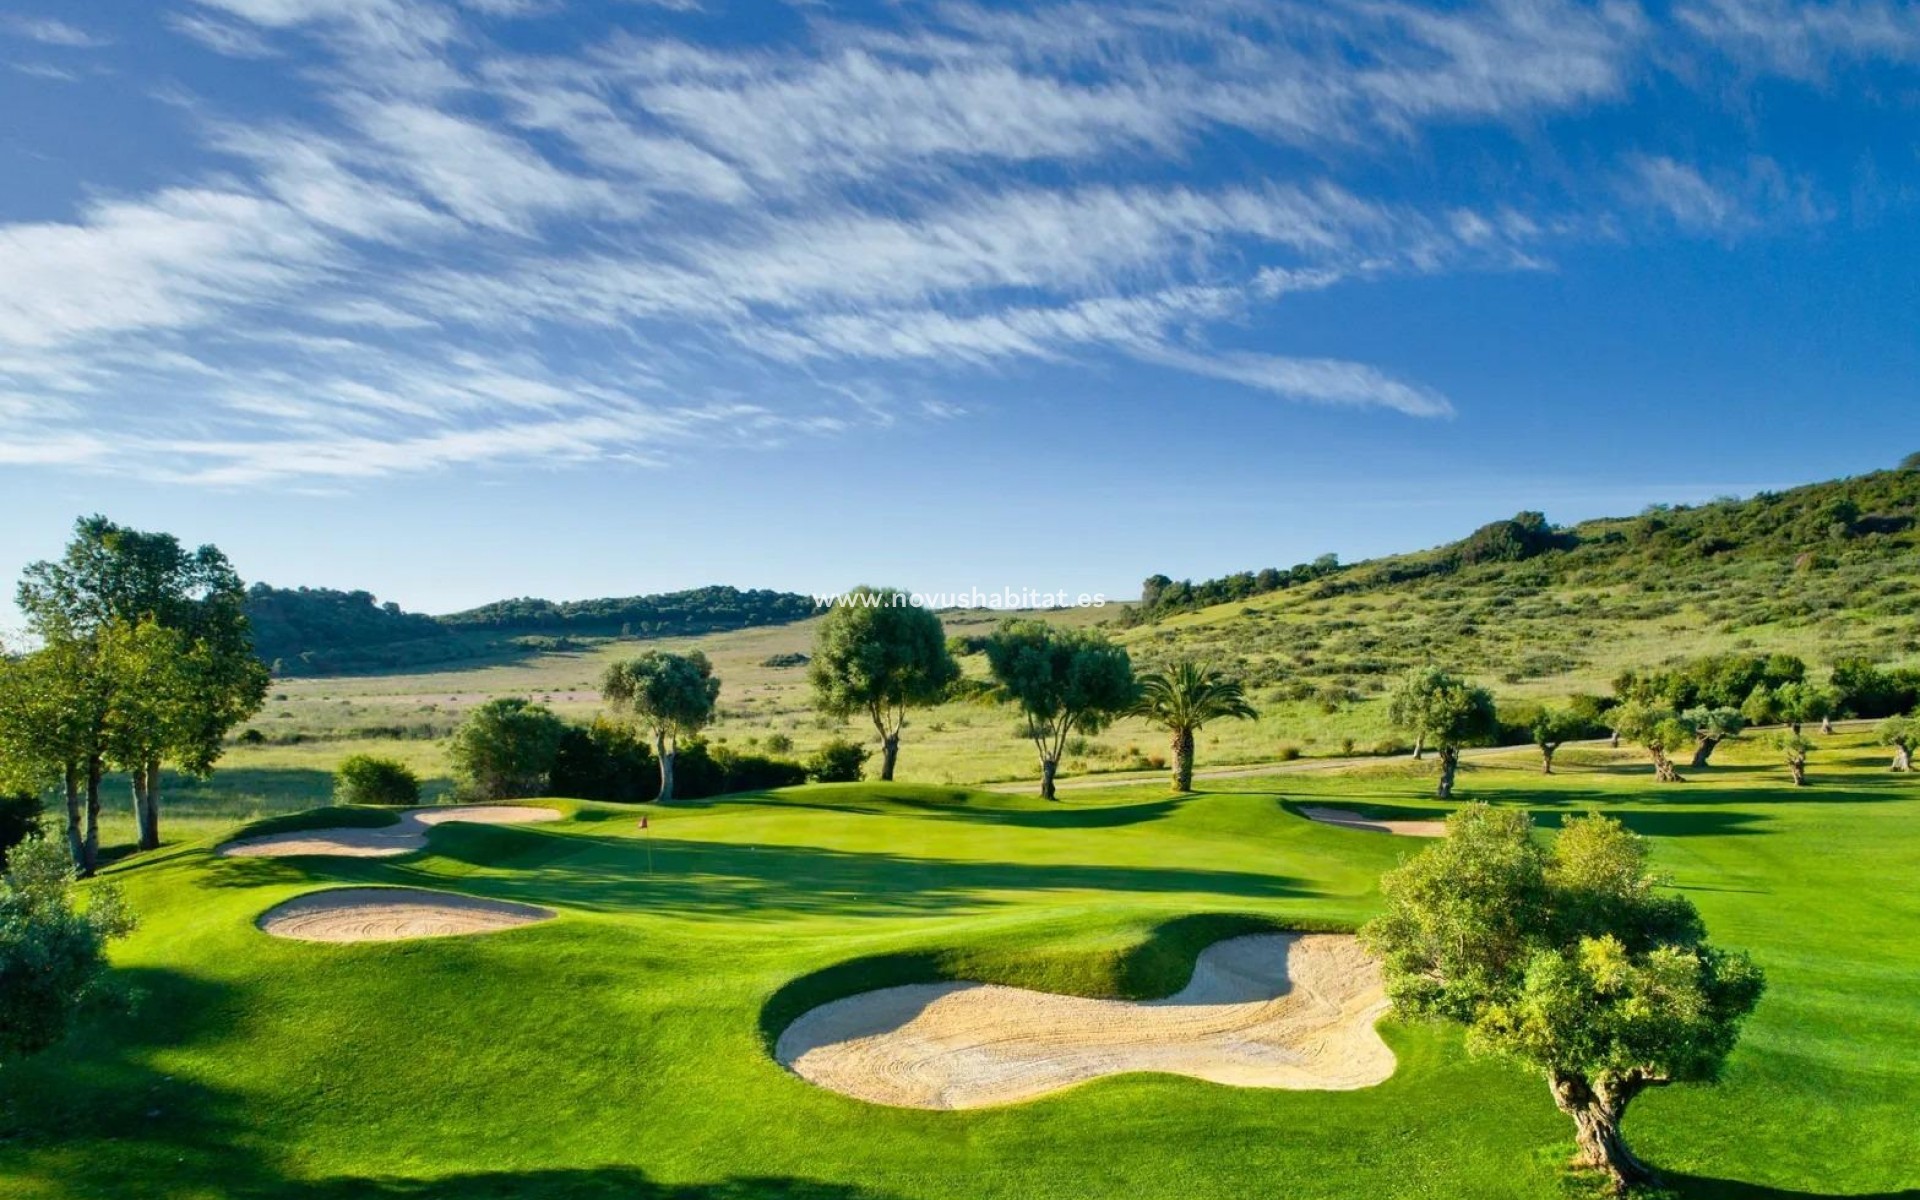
point(323, 631)
point(1806, 529)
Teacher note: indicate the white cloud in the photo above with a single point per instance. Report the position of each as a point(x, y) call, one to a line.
point(50, 32)
point(1807, 40)
point(1734, 201)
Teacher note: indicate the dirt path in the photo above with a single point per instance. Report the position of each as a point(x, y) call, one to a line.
point(1276, 1011)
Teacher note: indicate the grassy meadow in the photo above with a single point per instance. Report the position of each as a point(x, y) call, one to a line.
point(623, 1049)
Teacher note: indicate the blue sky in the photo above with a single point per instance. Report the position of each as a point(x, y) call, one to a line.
point(457, 299)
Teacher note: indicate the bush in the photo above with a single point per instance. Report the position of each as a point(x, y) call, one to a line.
point(1288, 753)
point(839, 761)
point(19, 820)
point(364, 779)
point(755, 772)
point(604, 761)
point(506, 749)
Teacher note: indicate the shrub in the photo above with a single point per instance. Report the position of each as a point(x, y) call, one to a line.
point(756, 772)
point(506, 749)
point(364, 779)
point(838, 761)
point(604, 761)
point(19, 820)
point(1288, 753)
point(252, 737)
point(779, 743)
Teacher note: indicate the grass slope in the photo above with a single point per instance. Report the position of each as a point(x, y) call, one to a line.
point(622, 1050)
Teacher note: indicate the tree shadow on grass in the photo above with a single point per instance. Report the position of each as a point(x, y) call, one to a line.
point(578, 1183)
point(1106, 816)
point(1695, 1187)
point(1649, 822)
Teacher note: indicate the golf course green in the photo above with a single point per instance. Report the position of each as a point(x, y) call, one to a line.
point(625, 1047)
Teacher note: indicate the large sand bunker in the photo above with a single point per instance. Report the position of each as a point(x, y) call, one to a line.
point(1353, 820)
point(385, 841)
point(392, 915)
point(1271, 1010)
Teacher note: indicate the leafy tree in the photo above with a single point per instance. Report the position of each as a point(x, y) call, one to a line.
point(1182, 701)
point(1866, 690)
point(1760, 707)
point(505, 749)
point(605, 760)
point(879, 655)
point(20, 814)
point(1552, 728)
point(1903, 735)
point(52, 954)
point(838, 761)
point(55, 705)
point(671, 696)
point(1568, 960)
point(1658, 729)
point(1711, 726)
point(1063, 680)
point(366, 779)
point(112, 576)
point(1793, 748)
point(1798, 703)
point(1911, 462)
point(1448, 712)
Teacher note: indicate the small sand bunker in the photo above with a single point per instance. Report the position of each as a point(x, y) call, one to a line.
point(392, 915)
point(386, 841)
point(1271, 1010)
point(1353, 820)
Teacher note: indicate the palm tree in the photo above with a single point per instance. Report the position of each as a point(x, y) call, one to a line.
point(1183, 700)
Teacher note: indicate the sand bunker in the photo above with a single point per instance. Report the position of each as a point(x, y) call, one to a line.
point(1353, 820)
point(392, 915)
point(404, 837)
point(1272, 1010)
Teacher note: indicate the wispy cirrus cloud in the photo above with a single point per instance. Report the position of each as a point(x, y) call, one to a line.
point(446, 251)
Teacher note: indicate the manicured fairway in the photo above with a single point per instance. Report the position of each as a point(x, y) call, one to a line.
point(622, 1050)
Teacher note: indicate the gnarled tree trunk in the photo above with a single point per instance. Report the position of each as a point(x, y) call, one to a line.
point(1902, 758)
point(1047, 768)
point(1419, 747)
point(666, 767)
point(1182, 760)
point(1596, 1113)
point(889, 754)
point(1546, 759)
point(1663, 769)
point(1797, 767)
point(1449, 766)
point(1703, 750)
point(1826, 726)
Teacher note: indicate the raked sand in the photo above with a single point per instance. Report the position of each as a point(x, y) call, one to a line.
point(385, 841)
point(392, 915)
point(1271, 1010)
point(1353, 820)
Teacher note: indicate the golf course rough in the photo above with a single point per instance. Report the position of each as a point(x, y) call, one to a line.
point(389, 914)
point(405, 836)
point(1292, 1011)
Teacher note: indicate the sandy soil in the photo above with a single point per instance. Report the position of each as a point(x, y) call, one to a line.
point(391, 915)
point(1353, 820)
point(1277, 1011)
point(386, 841)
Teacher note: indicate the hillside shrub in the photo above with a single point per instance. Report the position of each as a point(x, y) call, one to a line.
point(364, 779)
point(505, 749)
point(838, 761)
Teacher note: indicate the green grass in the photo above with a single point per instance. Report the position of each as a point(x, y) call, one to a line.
point(621, 1050)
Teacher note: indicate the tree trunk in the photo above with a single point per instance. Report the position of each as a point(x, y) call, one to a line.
point(90, 843)
point(1419, 747)
point(146, 803)
point(1449, 764)
point(76, 846)
point(1663, 770)
point(1797, 767)
point(1546, 759)
point(1703, 750)
point(1183, 760)
point(1902, 758)
point(1826, 726)
point(1047, 767)
point(665, 756)
point(1614, 740)
point(1596, 1125)
point(1795, 726)
point(889, 754)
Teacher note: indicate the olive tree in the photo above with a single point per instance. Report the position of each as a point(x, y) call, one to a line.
point(1801, 702)
point(1711, 726)
point(878, 655)
point(1183, 701)
point(52, 952)
point(1793, 748)
point(1446, 712)
point(1657, 729)
point(1552, 728)
point(1063, 681)
point(1902, 734)
point(506, 748)
point(671, 696)
point(1570, 960)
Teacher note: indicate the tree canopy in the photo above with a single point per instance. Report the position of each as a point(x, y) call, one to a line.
point(672, 696)
point(878, 655)
point(1570, 960)
point(1062, 681)
point(505, 749)
point(1448, 712)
